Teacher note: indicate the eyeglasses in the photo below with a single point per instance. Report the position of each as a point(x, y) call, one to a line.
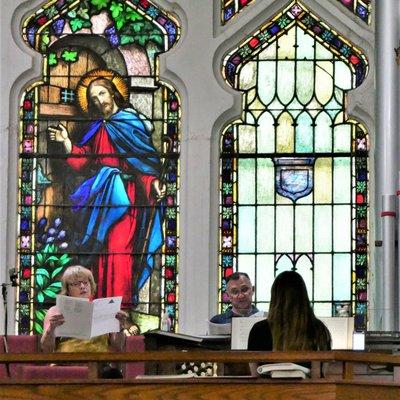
point(78, 283)
point(236, 292)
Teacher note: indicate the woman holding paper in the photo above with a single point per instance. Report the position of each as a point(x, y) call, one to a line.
point(78, 281)
point(291, 323)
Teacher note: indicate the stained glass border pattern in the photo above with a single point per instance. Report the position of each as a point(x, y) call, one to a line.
point(296, 13)
point(230, 8)
point(361, 8)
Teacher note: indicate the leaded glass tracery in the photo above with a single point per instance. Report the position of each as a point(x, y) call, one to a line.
point(361, 8)
point(82, 41)
point(229, 8)
point(294, 169)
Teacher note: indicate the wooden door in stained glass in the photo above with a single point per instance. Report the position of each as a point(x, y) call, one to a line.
point(294, 168)
point(99, 158)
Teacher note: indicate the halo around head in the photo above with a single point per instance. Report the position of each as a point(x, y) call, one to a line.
point(86, 80)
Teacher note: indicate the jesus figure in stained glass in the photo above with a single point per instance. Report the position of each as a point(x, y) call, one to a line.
point(119, 204)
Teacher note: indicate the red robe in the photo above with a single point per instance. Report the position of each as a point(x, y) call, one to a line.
point(116, 266)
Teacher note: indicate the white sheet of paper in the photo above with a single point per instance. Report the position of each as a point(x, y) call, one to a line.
point(104, 311)
point(85, 319)
point(241, 327)
point(341, 329)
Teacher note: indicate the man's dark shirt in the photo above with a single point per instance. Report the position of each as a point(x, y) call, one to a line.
point(226, 317)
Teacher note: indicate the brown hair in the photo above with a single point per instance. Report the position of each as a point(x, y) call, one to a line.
point(109, 85)
point(291, 318)
point(75, 273)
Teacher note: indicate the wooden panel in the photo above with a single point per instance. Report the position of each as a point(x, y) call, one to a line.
point(354, 391)
point(211, 388)
point(170, 391)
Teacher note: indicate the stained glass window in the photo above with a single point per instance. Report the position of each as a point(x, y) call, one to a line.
point(229, 8)
point(294, 168)
point(99, 159)
point(361, 8)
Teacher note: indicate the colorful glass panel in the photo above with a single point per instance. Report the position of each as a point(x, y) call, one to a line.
point(361, 8)
point(229, 8)
point(294, 168)
point(99, 139)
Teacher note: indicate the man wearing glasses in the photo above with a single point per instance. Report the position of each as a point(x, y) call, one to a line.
point(240, 292)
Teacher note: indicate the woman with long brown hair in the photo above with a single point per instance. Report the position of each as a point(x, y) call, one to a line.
point(291, 323)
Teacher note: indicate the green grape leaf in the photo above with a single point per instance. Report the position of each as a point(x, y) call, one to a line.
point(76, 24)
point(133, 15)
point(83, 13)
point(120, 22)
point(125, 39)
point(116, 9)
point(45, 38)
point(69, 56)
point(141, 39)
point(138, 26)
point(156, 38)
point(100, 4)
point(52, 59)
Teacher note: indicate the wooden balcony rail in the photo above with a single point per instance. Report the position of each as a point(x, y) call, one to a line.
point(353, 376)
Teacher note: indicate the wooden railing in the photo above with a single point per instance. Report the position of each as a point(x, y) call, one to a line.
point(351, 377)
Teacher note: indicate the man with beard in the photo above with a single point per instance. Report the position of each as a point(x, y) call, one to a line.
point(115, 203)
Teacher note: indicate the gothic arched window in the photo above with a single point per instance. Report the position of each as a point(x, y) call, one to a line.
point(294, 168)
point(99, 158)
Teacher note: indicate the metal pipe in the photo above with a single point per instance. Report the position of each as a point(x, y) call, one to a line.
point(388, 216)
point(387, 14)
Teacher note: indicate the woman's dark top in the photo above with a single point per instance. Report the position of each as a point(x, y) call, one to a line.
point(260, 337)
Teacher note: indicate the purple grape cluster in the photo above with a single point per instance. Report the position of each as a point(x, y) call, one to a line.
point(51, 234)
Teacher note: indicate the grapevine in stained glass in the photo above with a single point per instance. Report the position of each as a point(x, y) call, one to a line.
point(294, 168)
point(99, 159)
point(229, 8)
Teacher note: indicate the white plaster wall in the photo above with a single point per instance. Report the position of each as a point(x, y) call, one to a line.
point(193, 67)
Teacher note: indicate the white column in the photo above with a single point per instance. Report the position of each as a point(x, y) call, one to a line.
point(386, 135)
